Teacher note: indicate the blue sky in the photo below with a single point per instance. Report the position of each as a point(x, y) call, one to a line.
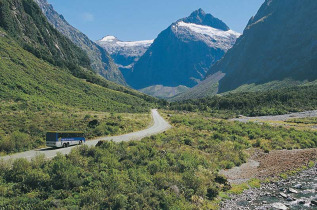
point(132, 20)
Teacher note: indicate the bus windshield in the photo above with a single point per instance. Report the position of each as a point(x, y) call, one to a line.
point(51, 137)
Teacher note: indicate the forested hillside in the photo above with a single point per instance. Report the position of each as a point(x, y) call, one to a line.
point(273, 102)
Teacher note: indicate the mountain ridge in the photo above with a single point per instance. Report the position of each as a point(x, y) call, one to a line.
point(101, 61)
point(124, 53)
point(199, 17)
point(261, 56)
point(183, 53)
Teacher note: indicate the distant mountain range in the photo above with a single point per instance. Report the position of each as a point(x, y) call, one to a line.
point(177, 59)
point(183, 53)
point(125, 54)
point(101, 61)
point(278, 46)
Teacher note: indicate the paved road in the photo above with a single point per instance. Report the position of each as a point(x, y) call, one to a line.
point(160, 125)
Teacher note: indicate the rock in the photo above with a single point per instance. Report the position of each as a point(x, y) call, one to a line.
point(175, 189)
point(298, 186)
point(279, 206)
point(308, 191)
point(56, 203)
point(290, 199)
point(291, 190)
point(314, 202)
point(301, 202)
point(100, 143)
point(283, 195)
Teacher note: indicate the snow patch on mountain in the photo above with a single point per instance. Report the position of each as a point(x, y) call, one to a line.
point(213, 37)
point(125, 54)
point(114, 46)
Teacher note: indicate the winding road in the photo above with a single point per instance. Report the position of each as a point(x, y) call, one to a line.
point(159, 125)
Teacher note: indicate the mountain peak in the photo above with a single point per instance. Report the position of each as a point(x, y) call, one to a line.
point(198, 12)
point(201, 18)
point(109, 39)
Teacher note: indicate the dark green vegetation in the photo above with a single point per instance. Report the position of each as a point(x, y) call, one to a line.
point(308, 120)
point(273, 102)
point(174, 170)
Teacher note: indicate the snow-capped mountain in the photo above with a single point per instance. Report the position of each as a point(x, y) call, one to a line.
point(183, 53)
point(125, 54)
point(279, 44)
point(213, 37)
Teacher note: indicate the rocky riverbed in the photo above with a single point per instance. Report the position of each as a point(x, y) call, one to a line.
point(279, 117)
point(297, 192)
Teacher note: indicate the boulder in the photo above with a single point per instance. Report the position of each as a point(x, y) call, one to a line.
point(283, 195)
point(280, 206)
point(291, 190)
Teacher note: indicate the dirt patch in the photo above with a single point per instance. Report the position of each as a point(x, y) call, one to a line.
point(263, 165)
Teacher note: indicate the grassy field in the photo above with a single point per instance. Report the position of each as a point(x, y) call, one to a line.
point(22, 130)
point(177, 169)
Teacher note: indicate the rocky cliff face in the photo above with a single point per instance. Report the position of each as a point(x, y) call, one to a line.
point(183, 53)
point(101, 62)
point(279, 42)
point(125, 54)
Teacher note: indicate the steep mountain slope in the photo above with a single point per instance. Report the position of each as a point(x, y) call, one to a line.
point(101, 61)
point(278, 43)
point(24, 21)
point(183, 53)
point(125, 54)
point(25, 79)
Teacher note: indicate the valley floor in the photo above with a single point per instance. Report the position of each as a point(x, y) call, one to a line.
point(159, 125)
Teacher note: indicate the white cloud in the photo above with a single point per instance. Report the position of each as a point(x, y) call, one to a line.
point(88, 17)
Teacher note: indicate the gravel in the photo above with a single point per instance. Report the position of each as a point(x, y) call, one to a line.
point(278, 195)
point(279, 117)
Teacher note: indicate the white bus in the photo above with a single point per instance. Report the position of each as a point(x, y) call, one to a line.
point(64, 138)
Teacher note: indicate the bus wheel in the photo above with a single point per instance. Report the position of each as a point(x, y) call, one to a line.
point(64, 145)
point(80, 142)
